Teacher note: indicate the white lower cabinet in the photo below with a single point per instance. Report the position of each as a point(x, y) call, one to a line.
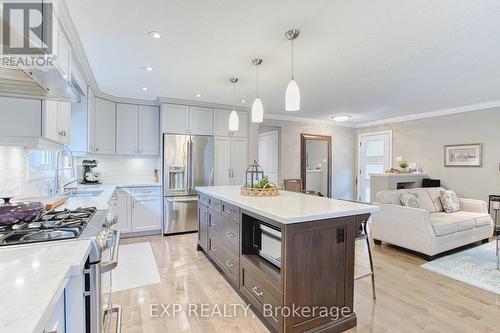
point(139, 210)
point(56, 322)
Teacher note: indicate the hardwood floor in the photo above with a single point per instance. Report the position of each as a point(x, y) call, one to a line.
point(409, 298)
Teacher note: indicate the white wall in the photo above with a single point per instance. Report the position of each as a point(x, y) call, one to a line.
point(343, 146)
point(422, 141)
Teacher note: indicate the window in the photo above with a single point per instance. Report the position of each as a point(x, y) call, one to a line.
point(41, 164)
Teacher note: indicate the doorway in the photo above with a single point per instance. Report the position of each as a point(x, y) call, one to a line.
point(374, 156)
point(269, 153)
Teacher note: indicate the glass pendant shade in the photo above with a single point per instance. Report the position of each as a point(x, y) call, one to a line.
point(233, 121)
point(292, 96)
point(257, 111)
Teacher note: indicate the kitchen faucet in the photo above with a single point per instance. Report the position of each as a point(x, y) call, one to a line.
point(61, 168)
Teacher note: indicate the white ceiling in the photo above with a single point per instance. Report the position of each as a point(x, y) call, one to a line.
point(372, 59)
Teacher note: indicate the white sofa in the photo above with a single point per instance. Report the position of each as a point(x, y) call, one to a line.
point(429, 230)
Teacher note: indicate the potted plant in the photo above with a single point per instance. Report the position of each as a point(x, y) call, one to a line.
point(404, 166)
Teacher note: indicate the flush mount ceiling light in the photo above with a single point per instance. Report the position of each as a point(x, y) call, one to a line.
point(340, 118)
point(257, 107)
point(144, 88)
point(154, 34)
point(198, 95)
point(292, 94)
point(148, 68)
point(233, 117)
point(243, 101)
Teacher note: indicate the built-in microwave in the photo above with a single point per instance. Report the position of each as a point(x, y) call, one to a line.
point(266, 242)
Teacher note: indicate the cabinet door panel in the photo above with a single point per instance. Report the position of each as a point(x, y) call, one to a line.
point(126, 129)
point(50, 123)
point(122, 210)
point(203, 217)
point(20, 117)
point(239, 160)
point(149, 130)
point(222, 160)
point(104, 129)
point(91, 100)
point(221, 122)
point(63, 121)
point(174, 118)
point(201, 120)
point(146, 213)
point(242, 124)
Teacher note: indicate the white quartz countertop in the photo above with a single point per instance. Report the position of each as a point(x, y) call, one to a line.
point(31, 279)
point(101, 201)
point(288, 207)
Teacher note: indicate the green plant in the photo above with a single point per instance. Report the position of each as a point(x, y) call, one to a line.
point(263, 183)
point(403, 164)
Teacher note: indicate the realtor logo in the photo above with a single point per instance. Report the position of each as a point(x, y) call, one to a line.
point(27, 28)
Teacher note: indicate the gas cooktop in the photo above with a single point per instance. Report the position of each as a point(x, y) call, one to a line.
point(51, 225)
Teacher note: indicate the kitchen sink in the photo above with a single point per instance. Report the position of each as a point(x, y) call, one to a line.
point(83, 193)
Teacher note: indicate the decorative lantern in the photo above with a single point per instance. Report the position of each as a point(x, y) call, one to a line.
point(254, 174)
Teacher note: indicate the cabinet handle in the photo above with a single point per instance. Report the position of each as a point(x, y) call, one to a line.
point(228, 173)
point(257, 292)
point(229, 264)
point(213, 249)
point(96, 149)
point(229, 211)
point(206, 216)
point(230, 234)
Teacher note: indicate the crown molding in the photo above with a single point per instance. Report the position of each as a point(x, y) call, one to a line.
point(432, 114)
point(161, 100)
point(125, 100)
point(273, 116)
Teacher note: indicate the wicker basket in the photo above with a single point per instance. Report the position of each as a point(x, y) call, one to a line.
point(260, 192)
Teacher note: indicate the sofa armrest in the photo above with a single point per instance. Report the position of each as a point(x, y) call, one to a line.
point(473, 205)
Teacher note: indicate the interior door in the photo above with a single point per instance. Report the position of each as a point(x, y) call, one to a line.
point(202, 161)
point(239, 160)
point(375, 155)
point(269, 155)
point(175, 164)
point(222, 160)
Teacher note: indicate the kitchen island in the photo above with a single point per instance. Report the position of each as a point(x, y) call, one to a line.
point(290, 256)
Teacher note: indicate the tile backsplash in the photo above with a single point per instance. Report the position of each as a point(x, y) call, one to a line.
point(14, 179)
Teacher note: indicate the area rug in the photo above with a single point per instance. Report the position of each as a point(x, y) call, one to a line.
point(136, 267)
point(476, 267)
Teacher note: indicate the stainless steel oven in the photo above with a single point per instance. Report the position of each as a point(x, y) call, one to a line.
point(266, 242)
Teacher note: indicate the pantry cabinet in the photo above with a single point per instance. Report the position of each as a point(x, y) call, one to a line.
point(104, 126)
point(184, 119)
point(230, 160)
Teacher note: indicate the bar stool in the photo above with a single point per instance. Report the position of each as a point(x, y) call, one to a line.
point(363, 235)
point(494, 210)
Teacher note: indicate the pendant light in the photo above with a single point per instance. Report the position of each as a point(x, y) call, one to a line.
point(292, 94)
point(257, 107)
point(233, 117)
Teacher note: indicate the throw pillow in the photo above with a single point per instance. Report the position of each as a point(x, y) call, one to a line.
point(450, 201)
point(410, 200)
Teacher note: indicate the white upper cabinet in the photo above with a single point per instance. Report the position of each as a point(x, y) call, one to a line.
point(91, 99)
point(221, 123)
point(200, 121)
point(104, 126)
point(61, 48)
point(175, 118)
point(56, 121)
point(149, 130)
point(127, 129)
point(222, 161)
point(183, 119)
point(20, 117)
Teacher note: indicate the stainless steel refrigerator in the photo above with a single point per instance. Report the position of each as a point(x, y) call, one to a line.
point(188, 161)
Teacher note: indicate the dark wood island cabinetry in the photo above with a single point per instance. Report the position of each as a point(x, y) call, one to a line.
point(296, 268)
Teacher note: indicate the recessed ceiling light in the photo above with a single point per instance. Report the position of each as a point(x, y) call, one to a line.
point(341, 118)
point(148, 68)
point(243, 101)
point(154, 34)
point(144, 88)
point(198, 95)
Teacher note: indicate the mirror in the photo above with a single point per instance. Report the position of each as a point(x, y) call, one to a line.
point(316, 163)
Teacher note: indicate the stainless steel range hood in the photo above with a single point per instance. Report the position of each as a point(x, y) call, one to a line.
point(36, 83)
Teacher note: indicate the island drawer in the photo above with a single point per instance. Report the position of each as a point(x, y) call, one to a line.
point(203, 199)
point(225, 258)
point(215, 204)
point(228, 231)
point(232, 212)
point(262, 294)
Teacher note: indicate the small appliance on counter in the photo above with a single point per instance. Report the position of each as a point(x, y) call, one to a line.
point(90, 174)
